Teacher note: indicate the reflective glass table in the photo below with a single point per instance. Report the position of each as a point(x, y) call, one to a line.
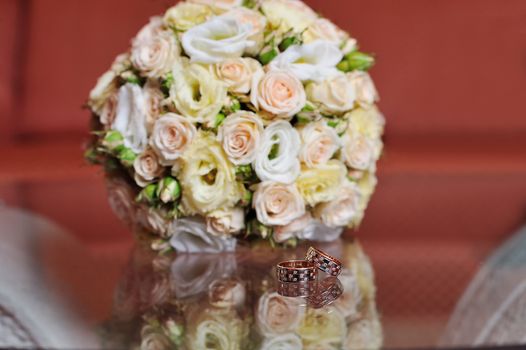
point(58, 293)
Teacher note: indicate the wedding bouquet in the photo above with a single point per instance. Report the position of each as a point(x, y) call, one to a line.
point(238, 120)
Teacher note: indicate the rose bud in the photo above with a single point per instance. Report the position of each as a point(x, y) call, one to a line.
point(127, 157)
point(148, 194)
point(113, 140)
point(168, 190)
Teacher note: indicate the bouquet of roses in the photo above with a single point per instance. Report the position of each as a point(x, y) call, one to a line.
point(235, 120)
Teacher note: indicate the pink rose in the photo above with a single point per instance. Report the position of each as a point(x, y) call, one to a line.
point(147, 168)
point(278, 92)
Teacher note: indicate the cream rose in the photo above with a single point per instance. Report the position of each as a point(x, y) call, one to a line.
point(277, 159)
point(153, 221)
point(351, 298)
point(105, 87)
point(342, 210)
point(240, 134)
point(217, 39)
point(366, 93)
point(154, 50)
point(365, 334)
point(219, 5)
point(277, 204)
point(171, 136)
point(109, 110)
point(276, 314)
point(225, 222)
point(258, 23)
point(285, 15)
point(212, 328)
point(278, 92)
point(321, 183)
point(154, 98)
point(359, 152)
point(189, 235)
point(367, 184)
point(186, 15)
point(289, 341)
point(147, 168)
point(334, 96)
point(122, 200)
point(196, 93)
point(368, 122)
point(284, 233)
point(323, 29)
point(319, 143)
point(208, 178)
point(323, 328)
point(130, 118)
point(237, 73)
point(314, 61)
point(152, 338)
point(227, 293)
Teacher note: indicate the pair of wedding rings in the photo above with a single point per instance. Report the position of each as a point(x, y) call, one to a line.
point(302, 271)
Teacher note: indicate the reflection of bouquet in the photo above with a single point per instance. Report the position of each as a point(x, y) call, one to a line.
point(247, 118)
point(230, 302)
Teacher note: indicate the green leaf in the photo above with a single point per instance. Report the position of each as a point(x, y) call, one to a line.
point(268, 56)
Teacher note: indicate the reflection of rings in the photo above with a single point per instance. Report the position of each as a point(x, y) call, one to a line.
point(296, 271)
point(327, 292)
point(296, 289)
point(324, 261)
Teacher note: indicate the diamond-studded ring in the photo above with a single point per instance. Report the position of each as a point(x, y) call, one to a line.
point(324, 261)
point(296, 271)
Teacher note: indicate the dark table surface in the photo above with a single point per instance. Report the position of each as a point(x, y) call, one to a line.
point(59, 293)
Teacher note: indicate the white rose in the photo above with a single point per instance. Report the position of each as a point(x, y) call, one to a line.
point(192, 274)
point(365, 333)
point(323, 29)
point(341, 211)
point(277, 204)
point(240, 134)
point(208, 178)
point(219, 5)
point(366, 93)
point(105, 87)
point(284, 233)
point(189, 235)
point(153, 98)
point(278, 92)
point(314, 61)
point(319, 143)
point(186, 15)
point(154, 50)
point(196, 93)
point(349, 46)
point(171, 136)
point(130, 119)
point(318, 232)
point(237, 73)
point(334, 96)
point(321, 183)
point(277, 159)
point(225, 222)
point(288, 14)
point(227, 293)
point(217, 39)
point(147, 168)
point(289, 341)
point(258, 23)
